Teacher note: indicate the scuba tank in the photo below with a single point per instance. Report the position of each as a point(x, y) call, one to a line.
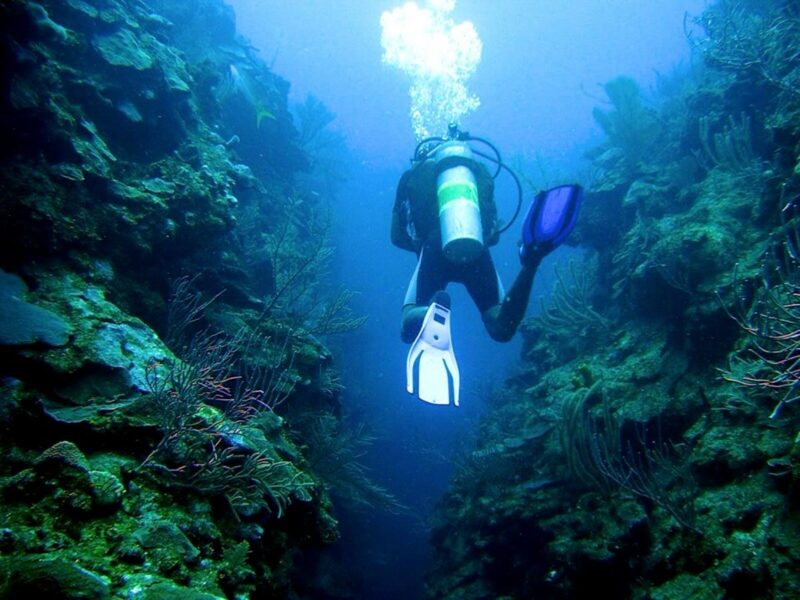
point(460, 222)
point(459, 207)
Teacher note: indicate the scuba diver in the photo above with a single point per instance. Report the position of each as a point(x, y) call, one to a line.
point(444, 211)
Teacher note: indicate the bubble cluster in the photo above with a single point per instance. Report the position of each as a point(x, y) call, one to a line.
point(439, 55)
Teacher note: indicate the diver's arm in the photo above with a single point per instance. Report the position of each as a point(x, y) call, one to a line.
point(400, 236)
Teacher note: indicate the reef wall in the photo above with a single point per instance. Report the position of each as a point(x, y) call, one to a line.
point(166, 406)
point(650, 449)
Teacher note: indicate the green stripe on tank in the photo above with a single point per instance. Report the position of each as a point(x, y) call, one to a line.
point(461, 204)
point(456, 190)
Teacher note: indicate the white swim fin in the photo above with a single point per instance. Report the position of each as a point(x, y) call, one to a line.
point(432, 360)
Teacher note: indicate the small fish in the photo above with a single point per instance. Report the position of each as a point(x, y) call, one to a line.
point(533, 486)
point(128, 108)
point(68, 171)
point(238, 82)
point(261, 114)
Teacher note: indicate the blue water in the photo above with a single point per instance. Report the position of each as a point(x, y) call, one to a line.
point(541, 74)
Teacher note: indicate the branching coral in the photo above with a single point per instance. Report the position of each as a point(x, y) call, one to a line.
point(298, 250)
point(570, 310)
point(179, 388)
point(773, 358)
point(599, 455)
point(765, 42)
point(205, 448)
point(576, 440)
point(630, 126)
point(334, 315)
point(249, 481)
point(730, 149)
point(335, 455)
point(289, 243)
point(770, 363)
point(326, 147)
point(299, 254)
point(673, 271)
point(313, 117)
point(632, 253)
point(296, 253)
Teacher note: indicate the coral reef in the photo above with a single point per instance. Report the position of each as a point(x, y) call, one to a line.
point(661, 374)
point(160, 294)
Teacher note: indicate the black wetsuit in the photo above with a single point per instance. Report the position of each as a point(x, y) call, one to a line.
point(415, 227)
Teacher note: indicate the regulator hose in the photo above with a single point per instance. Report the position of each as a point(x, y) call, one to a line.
point(427, 140)
point(497, 160)
point(502, 165)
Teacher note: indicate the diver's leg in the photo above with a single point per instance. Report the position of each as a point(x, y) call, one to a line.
point(429, 277)
point(501, 313)
point(549, 221)
point(413, 315)
point(502, 321)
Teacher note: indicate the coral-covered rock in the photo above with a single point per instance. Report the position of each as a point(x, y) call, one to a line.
point(52, 576)
point(149, 143)
point(25, 323)
point(121, 49)
point(110, 350)
point(166, 546)
point(672, 481)
point(61, 456)
point(724, 452)
point(107, 489)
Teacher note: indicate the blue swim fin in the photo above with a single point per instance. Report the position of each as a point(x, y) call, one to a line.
point(550, 219)
point(431, 362)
